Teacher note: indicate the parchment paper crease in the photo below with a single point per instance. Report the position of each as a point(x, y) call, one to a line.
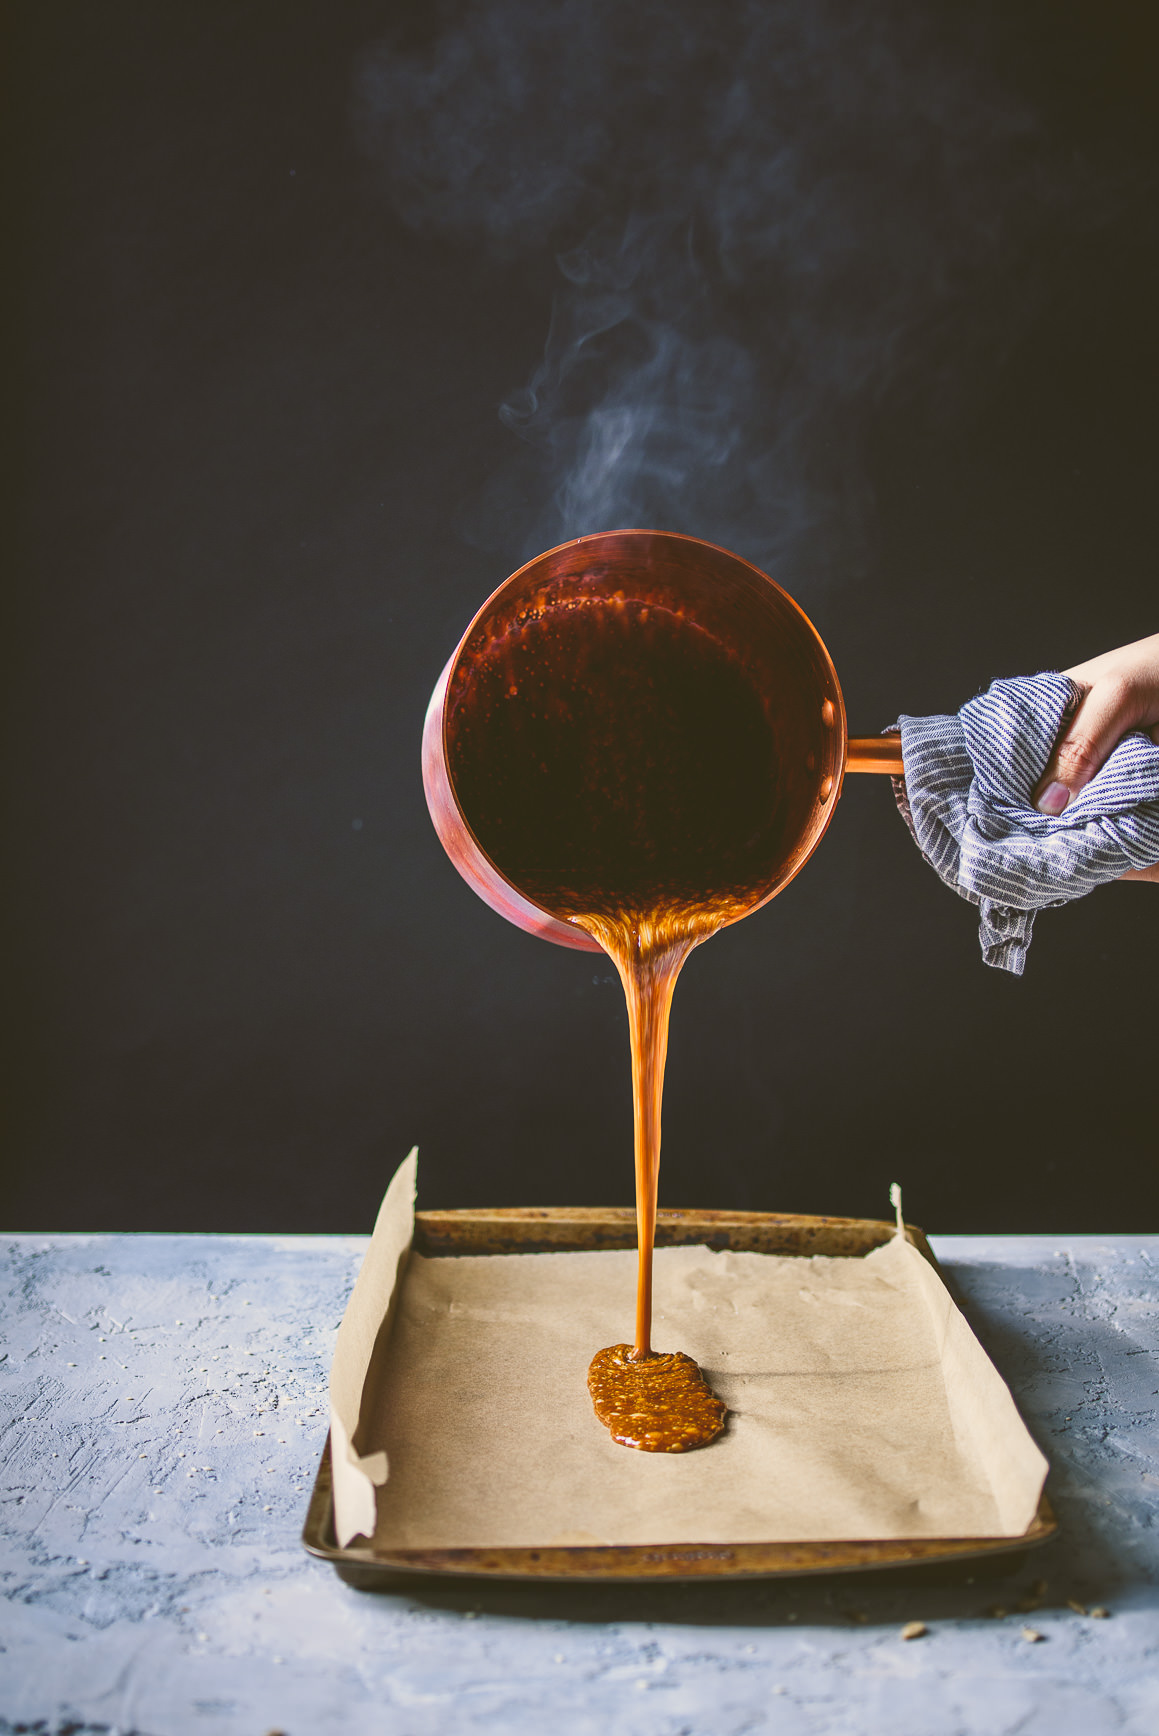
point(862, 1404)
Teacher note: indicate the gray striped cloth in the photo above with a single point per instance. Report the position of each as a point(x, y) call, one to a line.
point(966, 799)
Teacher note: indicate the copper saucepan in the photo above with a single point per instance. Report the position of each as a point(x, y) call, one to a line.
point(749, 614)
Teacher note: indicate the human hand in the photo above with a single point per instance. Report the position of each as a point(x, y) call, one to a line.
point(1120, 693)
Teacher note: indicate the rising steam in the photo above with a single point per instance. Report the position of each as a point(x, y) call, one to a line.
point(765, 214)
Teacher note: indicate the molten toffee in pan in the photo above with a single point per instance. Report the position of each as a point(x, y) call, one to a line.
point(619, 765)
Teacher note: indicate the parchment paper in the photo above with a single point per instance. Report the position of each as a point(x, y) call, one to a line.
point(862, 1406)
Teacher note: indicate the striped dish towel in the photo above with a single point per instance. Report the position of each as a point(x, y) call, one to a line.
point(966, 799)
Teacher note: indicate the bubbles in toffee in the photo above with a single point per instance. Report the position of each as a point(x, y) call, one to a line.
point(662, 1404)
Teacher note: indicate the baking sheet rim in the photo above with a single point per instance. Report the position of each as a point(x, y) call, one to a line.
point(649, 1563)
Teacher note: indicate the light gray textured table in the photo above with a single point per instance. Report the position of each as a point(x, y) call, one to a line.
point(163, 1409)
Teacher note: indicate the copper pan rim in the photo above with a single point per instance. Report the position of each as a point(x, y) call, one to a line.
point(451, 823)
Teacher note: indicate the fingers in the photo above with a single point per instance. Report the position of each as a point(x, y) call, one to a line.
point(1105, 714)
point(1142, 874)
point(1120, 692)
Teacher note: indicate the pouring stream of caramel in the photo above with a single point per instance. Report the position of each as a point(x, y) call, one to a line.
point(620, 766)
point(660, 1404)
point(648, 952)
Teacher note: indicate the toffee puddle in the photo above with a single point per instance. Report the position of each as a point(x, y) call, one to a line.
point(661, 1404)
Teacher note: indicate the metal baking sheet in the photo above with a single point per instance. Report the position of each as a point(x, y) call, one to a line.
point(542, 1229)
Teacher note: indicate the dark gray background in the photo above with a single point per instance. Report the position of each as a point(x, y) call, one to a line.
point(251, 405)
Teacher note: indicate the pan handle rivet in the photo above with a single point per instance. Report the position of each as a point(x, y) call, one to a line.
point(826, 790)
point(828, 714)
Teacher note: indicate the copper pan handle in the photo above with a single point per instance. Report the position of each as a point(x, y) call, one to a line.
point(875, 753)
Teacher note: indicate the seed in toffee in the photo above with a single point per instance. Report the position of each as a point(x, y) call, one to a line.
point(660, 1404)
